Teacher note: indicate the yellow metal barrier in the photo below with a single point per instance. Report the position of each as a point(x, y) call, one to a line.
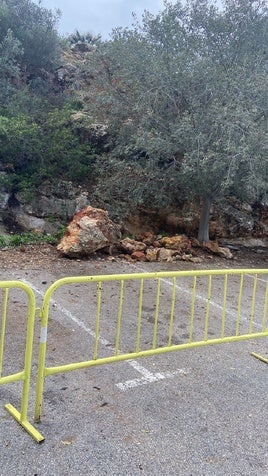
point(25, 374)
point(144, 314)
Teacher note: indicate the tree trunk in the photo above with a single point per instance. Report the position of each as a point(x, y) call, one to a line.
point(203, 232)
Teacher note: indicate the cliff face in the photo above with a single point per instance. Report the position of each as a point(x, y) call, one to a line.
point(45, 210)
point(55, 204)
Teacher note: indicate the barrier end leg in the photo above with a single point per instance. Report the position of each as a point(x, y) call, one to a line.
point(25, 424)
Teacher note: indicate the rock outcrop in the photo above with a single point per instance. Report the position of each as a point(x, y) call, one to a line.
point(44, 210)
point(89, 231)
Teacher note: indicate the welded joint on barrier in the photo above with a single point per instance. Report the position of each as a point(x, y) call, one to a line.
point(38, 312)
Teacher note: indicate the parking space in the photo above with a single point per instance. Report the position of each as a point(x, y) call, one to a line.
point(192, 412)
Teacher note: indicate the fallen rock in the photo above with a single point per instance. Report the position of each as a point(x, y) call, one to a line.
point(89, 231)
point(139, 256)
point(214, 248)
point(177, 242)
point(225, 252)
point(191, 258)
point(130, 245)
point(168, 255)
point(152, 254)
point(146, 237)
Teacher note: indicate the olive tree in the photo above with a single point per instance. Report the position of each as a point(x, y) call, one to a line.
point(183, 93)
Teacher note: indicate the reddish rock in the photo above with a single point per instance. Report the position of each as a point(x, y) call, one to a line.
point(139, 256)
point(211, 246)
point(147, 238)
point(89, 231)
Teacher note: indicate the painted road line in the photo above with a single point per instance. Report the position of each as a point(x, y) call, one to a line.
point(147, 376)
point(258, 279)
point(201, 298)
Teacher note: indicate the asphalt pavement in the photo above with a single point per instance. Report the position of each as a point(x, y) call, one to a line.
point(194, 412)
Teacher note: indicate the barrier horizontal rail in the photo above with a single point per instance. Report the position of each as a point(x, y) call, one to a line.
point(212, 306)
point(25, 374)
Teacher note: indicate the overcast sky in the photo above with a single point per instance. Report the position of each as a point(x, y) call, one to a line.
point(99, 16)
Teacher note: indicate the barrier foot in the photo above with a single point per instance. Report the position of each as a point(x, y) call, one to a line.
point(25, 424)
point(263, 359)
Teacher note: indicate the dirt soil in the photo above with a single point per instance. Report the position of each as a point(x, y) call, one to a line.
point(46, 257)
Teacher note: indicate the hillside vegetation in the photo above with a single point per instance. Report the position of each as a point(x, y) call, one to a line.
point(172, 109)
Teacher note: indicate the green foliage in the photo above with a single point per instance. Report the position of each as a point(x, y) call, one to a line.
point(39, 138)
point(19, 141)
point(31, 238)
point(35, 28)
point(3, 241)
point(52, 147)
point(64, 153)
point(184, 92)
point(82, 39)
point(121, 187)
point(10, 54)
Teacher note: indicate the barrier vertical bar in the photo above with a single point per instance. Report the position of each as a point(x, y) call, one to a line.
point(192, 310)
point(156, 313)
point(22, 416)
point(97, 323)
point(138, 339)
point(119, 318)
point(223, 319)
point(173, 298)
point(208, 307)
point(252, 310)
point(42, 357)
point(238, 318)
point(265, 309)
point(3, 330)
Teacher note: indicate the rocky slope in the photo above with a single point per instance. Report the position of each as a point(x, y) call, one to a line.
point(235, 223)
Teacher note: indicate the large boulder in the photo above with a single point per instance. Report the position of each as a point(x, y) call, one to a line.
point(90, 230)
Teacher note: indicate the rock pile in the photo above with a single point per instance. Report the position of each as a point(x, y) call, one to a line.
point(149, 247)
point(91, 230)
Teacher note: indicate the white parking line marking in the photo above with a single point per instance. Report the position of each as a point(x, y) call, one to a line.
point(147, 376)
point(203, 298)
point(258, 279)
